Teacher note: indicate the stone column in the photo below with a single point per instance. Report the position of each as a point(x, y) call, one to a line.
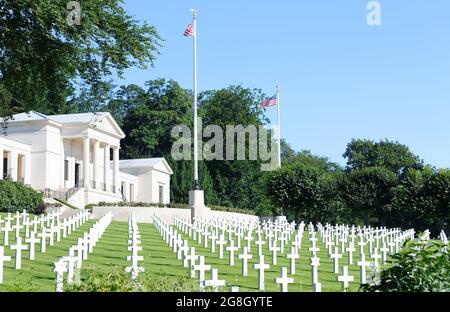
point(96, 163)
point(14, 164)
point(86, 177)
point(116, 169)
point(27, 169)
point(106, 166)
point(1, 162)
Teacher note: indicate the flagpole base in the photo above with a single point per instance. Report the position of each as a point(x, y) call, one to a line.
point(197, 205)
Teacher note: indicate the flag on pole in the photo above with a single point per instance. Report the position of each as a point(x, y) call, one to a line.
point(189, 31)
point(273, 101)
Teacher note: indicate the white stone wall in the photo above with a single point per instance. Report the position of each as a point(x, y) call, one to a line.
point(144, 214)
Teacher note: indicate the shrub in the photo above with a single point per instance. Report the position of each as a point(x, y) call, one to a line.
point(173, 205)
point(230, 209)
point(421, 266)
point(117, 280)
point(14, 196)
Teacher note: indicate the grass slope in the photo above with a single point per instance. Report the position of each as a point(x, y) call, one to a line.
point(160, 260)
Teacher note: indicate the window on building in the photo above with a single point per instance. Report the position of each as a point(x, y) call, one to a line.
point(161, 194)
point(66, 170)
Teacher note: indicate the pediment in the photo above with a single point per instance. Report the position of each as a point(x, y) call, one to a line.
point(107, 124)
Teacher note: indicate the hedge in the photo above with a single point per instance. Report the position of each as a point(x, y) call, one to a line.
point(14, 196)
point(174, 205)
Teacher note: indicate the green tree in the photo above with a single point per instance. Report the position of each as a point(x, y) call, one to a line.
point(366, 191)
point(309, 159)
point(392, 155)
point(237, 183)
point(149, 121)
point(297, 189)
point(43, 58)
point(436, 200)
point(183, 177)
point(420, 266)
point(407, 202)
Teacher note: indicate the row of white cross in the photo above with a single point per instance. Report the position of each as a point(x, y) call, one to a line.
point(79, 252)
point(337, 239)
point(188, 256)
point(49, 227)
point(134, 246)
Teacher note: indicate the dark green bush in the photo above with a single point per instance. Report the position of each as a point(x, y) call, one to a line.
point(14, 196)
point(422, 266)
point(117, 280)
point(230, 209)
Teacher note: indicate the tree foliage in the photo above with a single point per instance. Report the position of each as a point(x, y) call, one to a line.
point(393, 156)
point(421, 266)
point(43, 58)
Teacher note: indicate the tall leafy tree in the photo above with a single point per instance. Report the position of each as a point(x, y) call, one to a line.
point(181, 181)
point(148, 123)
point(43, 57)
point(394, 156)
point(236, 182)
point(366, 191)
point(297, 189)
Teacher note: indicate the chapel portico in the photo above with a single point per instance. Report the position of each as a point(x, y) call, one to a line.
point(75, 157)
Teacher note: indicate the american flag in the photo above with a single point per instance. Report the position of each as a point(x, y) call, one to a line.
point(189, 31)
point(269, 102)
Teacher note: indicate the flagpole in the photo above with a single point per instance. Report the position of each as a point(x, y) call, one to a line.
point(194, 25)
point(279, 126)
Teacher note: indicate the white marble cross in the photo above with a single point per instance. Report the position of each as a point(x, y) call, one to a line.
point(18, 247)
point(336, 256)
point(231, 249)
point(245, 256)
point(384, 251)
point(350, 249)
point(259, 243)
point(293, 256)
point(213, 238)
point(79, 248)
point(375, 256)
point(3, 259)
point(345, 278)
point(60, 267)
point(134, 268)
point(221, 242)
point(315, 263)
point(190, 260)
point(284, 280)
point(314, 249)
point(71, 260)
point(43, 236)
point(214, 282)
point(32, 240)
point(274, 248)
point(201, 267)
point(261, 266)
point(363, 264)
point(6, 229)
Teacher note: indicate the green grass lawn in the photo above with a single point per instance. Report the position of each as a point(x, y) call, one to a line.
point(160, 260)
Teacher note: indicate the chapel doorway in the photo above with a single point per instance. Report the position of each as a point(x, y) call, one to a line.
point(77, 175)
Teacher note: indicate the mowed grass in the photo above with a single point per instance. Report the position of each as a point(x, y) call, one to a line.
point(111, 250)
point(233, 276)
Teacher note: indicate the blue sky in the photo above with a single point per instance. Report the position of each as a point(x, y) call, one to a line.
point(339, 78)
